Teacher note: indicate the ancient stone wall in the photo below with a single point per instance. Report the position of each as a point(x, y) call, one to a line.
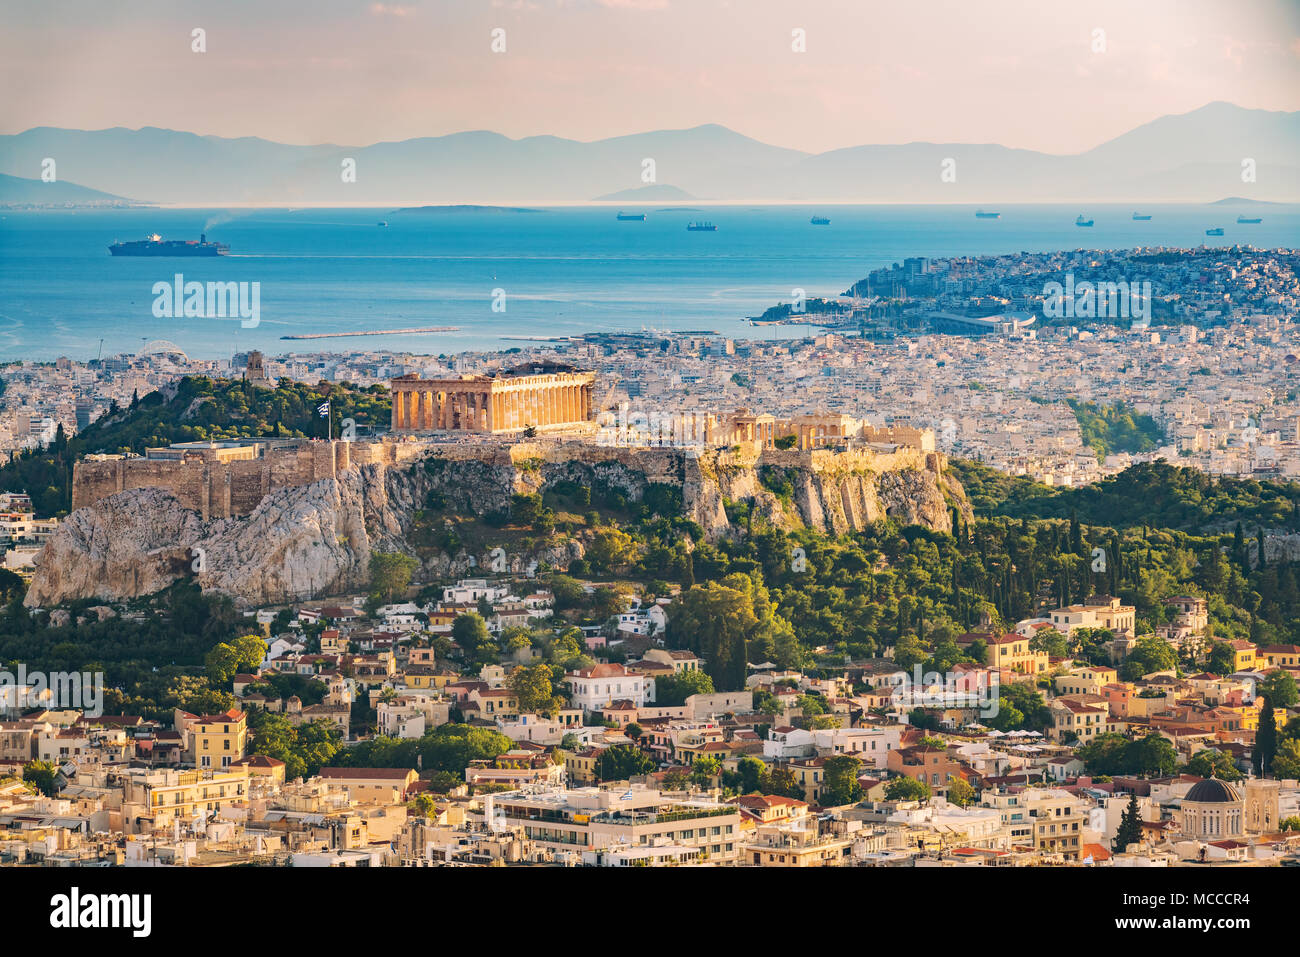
point(218, 489)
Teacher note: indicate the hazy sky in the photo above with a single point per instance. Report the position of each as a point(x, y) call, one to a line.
point(1018, 72)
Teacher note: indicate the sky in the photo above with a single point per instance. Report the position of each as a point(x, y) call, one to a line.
point(1059, 76)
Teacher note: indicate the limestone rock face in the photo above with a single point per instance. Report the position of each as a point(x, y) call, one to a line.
point(316, 540)
point(298, 543)
point(130, 544)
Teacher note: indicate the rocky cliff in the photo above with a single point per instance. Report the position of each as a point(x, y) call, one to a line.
point(317, 539)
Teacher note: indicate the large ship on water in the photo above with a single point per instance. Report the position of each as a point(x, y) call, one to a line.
point(155, 245)
point(1216, 231)
point(701, 228)
point(983, 214)
point(1250, 219)
point(631, 217)
point(820, 221)
point(1141, 217)
point(1082, 222)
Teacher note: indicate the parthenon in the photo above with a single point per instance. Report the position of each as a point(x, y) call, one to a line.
point(504, 402)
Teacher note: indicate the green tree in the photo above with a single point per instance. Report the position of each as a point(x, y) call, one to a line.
point(704, 770)
point(227, 659)
point(1221, 660)
point(533, 687)
point(469, 631)
point(1105, 754)
point(910, 651)
point(906, 789)
point(1150, 654)
point(1262, 754)
point(671, 691)
point(840, 781)
point(960, 791)
point(782, 782)
point(750, 772)
point(1130, 826)
point(423, 805)
point(622, 761)
point(1280, 688)
point(1286, 763)
point(1051, 642)
point(451, 747)
point(390, 574)
point(304, 748)
point(1153, 756)
point(40, 775)
point(1213, 763)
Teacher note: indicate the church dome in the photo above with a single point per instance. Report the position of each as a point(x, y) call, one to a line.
point(1212, 791)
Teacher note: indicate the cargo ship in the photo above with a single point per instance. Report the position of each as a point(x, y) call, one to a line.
point(631, 217)
point(1082, 222)
point(155, 245)
point(701, 228)
point(1249, 220)
point(1216, 231)
point(981, 214)
point(1141, 217)
point(820, 221)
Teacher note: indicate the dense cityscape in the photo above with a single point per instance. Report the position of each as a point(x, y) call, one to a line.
point(452, 451)
point(581, 702)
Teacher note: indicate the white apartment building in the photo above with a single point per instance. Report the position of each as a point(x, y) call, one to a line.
point(592, 688)
point(468, 591)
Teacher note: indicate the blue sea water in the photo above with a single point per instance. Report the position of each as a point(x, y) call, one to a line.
point(564, 270)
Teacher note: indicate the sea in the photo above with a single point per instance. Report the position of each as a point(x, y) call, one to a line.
point(508, 278)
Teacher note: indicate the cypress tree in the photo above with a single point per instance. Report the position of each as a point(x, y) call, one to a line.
point(1261, 756)
point(1114, 563)
point(1130, 826)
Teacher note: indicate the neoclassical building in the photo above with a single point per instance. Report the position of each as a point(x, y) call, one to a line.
point(542, 397)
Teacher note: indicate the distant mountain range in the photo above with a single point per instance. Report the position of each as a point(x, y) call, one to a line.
point(653, 193)
point(1191, 157)
point(17, 191)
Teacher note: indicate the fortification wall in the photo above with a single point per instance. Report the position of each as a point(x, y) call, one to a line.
point(217, 489)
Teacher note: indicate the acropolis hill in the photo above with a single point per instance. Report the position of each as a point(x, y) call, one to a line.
point(277, 520)
point(485, 416)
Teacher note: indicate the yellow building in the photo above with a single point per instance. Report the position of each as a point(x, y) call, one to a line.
point(155, 798)
point(1087, 680)
point(1243, 655)
point(217, 740)
point(580, 766)
point(774, 846)
point(1280, 656)
point(1097, 611)
point(1057, 827)
point(371, 785)
point(1075, 721)
point(1010, 651)
point(1247, 714)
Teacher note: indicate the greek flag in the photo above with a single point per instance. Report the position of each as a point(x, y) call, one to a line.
point(324, 409)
